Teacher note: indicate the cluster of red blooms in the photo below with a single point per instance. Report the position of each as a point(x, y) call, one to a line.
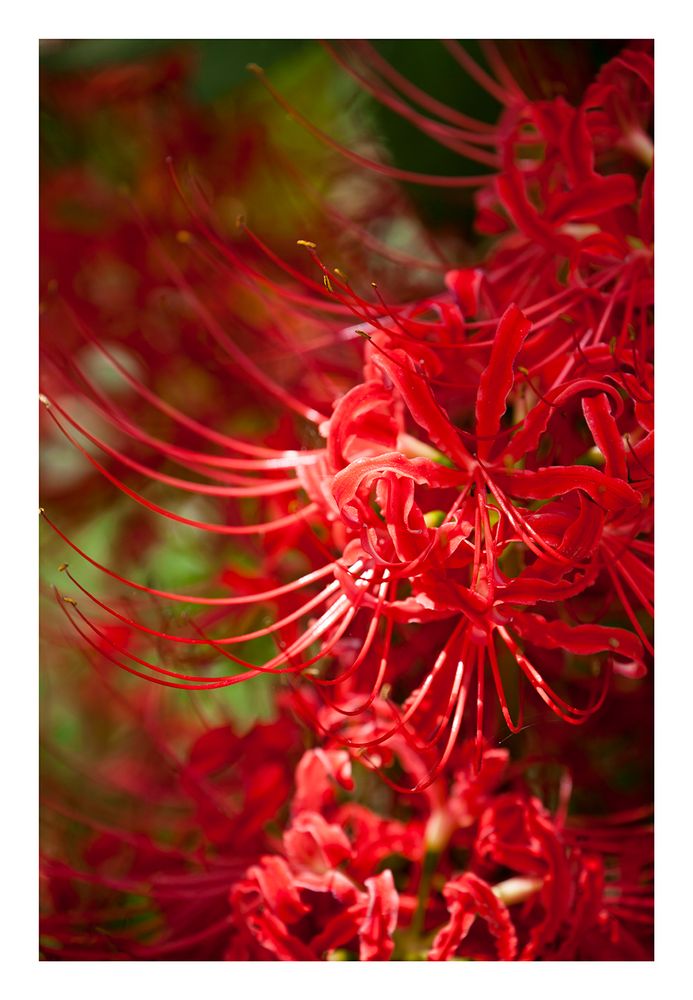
point(469, 480)
point(269, 852)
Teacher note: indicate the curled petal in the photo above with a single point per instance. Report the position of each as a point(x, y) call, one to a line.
point(399, 369)
point(606, 434)
point(361, 474)
point(580, 639)
point(527, 219)
point(276, 886)
point(380, 921)
point(583, 532)
point(362, 424)
point(591, 199)
point(497, 378)
point(535, 423)
point(469, 897)
point(317, 774)
point(527, 588)
point(543, 484)
point(314, 844)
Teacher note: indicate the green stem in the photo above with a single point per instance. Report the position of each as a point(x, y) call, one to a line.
point(428, 869)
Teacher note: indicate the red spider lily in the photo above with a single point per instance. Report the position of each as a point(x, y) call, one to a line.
point(391, 541)
point(450, 494)
point(277, 901)
point(560, 906)
point(193, 842)
point(543, 888)
point(449, 489)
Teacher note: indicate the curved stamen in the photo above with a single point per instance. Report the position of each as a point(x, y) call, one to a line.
point(259, 596)
point(260, 489)
point(425, 100)
point(450, 137)
point(395, 173)
point(245, 447)
point(568, 713)
point(221, 529)
point(461, 56)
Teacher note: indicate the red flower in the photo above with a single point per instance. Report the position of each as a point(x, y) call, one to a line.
point(467, 479)
point(304, 907)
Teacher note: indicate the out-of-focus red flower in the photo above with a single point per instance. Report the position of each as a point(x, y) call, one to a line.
point(137, 862)
point(224, 846)
point(533, 886)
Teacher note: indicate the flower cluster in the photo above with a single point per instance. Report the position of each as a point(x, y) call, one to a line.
point(465, 483)
point(274, 855)
point(479, 871)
